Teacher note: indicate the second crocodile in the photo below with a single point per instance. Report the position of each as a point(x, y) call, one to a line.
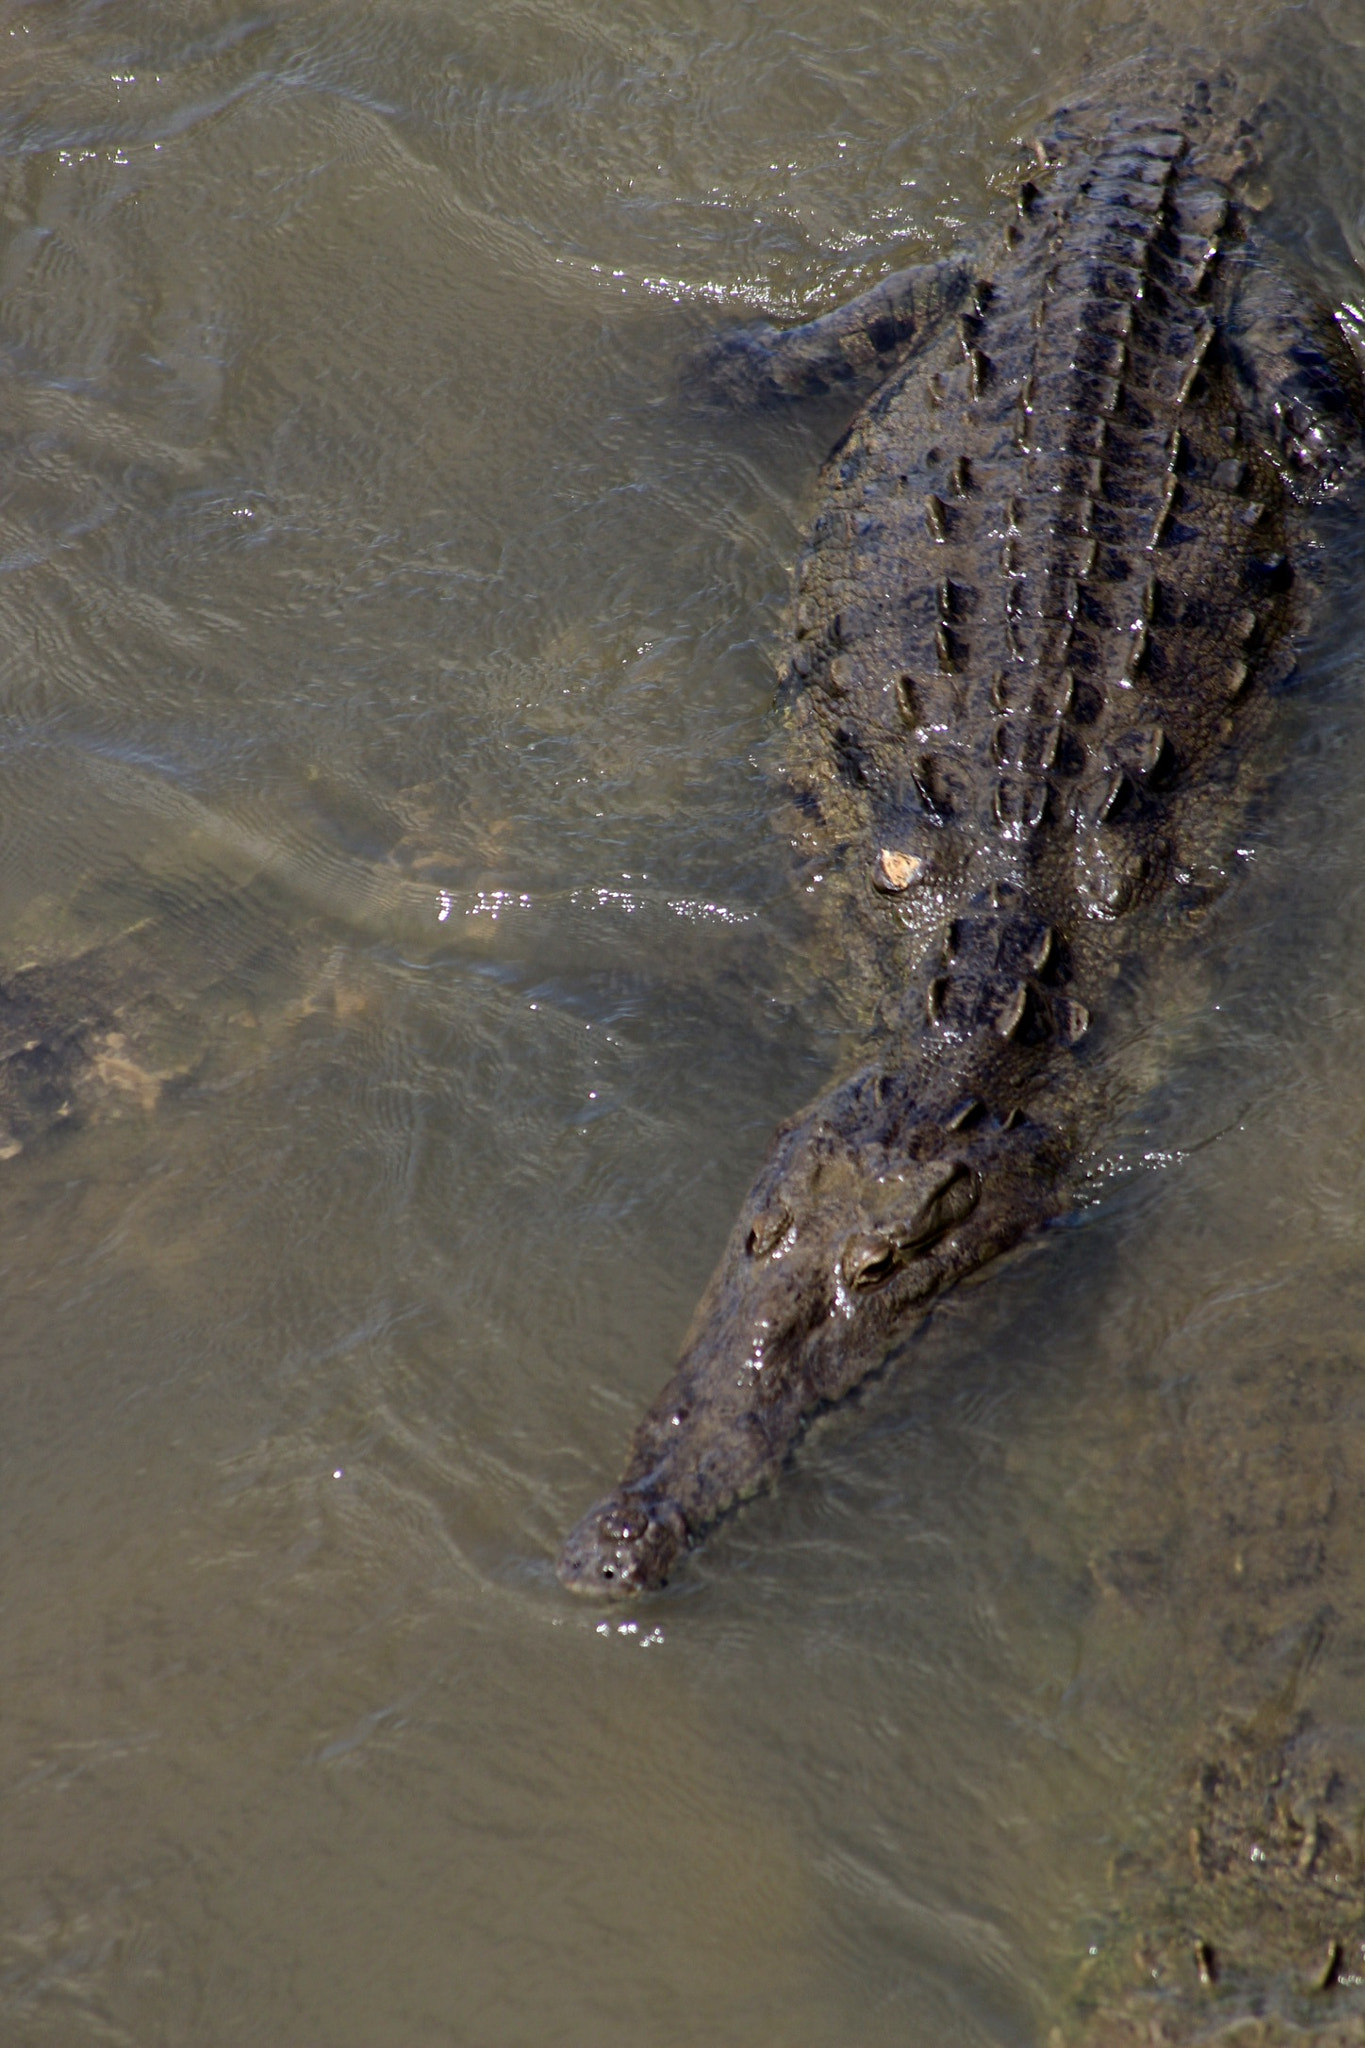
point(1058, 560)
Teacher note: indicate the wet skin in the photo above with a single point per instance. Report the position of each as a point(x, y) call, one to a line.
point(867, 1209)
point(1051, 583)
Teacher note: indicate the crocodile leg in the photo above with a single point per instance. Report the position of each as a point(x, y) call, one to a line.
point(1299, 377)
point(853, 346)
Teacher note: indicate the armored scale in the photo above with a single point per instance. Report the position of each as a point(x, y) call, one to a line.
point(1057, 562)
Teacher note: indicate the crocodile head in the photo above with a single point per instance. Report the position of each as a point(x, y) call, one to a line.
point(858, 1220)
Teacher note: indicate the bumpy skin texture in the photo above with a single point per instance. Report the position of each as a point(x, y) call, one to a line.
point(1250, 1927)
point(1235, 1527)
point(112, 1029)
point(44, 1053)
point(1053, 570)
point(72, 1039)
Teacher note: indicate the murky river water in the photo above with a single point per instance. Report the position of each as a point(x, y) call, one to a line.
point(384, 639)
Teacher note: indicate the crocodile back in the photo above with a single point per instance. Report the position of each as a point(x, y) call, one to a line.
point(1050, 564)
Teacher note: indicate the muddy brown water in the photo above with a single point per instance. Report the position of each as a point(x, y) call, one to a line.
point(379, 628)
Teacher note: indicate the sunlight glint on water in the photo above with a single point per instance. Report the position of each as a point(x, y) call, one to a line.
point(382, 635)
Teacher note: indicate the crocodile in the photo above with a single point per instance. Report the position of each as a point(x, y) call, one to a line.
point(1060, 558)
point(1246, 1923)
point(1229, 1565)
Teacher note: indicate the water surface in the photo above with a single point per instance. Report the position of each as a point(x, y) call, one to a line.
point(382, 634)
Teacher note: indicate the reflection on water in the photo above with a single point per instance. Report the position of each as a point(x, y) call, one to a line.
point(386, 658)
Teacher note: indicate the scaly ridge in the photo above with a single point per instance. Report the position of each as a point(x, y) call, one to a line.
point(1053, 556)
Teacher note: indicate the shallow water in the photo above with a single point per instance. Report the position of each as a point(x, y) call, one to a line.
point(381, 633)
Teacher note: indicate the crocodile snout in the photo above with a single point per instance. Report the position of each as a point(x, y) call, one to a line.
point(623, 1546)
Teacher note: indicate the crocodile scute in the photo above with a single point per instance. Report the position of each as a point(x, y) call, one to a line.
point(1058, 560)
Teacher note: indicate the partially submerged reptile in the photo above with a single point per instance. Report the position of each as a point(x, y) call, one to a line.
point(72, 1037)
point(1229, 1565)
point(1057, 562)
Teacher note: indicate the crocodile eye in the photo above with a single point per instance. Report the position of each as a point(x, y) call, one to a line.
point(767, 1231)
point(867, 1261)
point(951, 1203)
